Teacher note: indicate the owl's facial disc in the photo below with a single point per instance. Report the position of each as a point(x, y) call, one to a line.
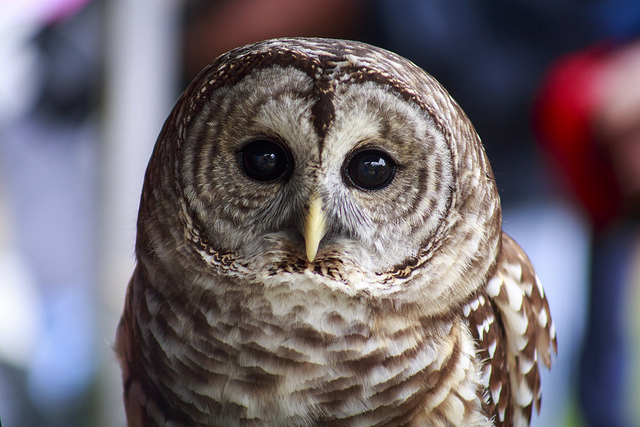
point(265, 184)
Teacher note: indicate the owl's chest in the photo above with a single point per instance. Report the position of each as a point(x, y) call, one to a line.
point(285, 363)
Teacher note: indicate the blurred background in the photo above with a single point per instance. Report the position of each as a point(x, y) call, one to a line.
point(552, 86)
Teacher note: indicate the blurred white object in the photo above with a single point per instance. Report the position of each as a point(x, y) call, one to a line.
point(20, 308)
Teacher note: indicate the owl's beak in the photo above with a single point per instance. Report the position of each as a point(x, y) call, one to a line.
point(314, 227)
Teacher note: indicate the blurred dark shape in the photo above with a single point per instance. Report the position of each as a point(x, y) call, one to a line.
point(215, 27)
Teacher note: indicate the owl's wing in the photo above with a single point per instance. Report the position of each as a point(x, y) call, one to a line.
point(138, 404)
point(125, 350)
point(512, 325)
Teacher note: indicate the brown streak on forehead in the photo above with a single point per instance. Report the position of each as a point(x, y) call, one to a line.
point(323, 111)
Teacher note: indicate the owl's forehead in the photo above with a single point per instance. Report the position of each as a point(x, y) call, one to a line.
point(330, 65)
point(322, 59)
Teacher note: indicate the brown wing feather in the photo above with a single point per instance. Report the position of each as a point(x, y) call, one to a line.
point(511, 322)
point(136, 400)
point(134, 396)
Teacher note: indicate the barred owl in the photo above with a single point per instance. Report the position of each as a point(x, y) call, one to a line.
point(320, 243)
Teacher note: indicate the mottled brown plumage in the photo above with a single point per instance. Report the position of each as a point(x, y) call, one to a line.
point(320, 243)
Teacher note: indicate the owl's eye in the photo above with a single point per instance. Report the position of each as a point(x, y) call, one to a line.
point(264, 160)
point(370, 169)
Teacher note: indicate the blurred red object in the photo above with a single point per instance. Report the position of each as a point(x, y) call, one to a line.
point(565, 123)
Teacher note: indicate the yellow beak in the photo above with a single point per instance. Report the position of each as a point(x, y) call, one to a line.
point(314, 227)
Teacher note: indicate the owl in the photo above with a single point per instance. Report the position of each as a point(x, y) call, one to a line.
point(319, 242)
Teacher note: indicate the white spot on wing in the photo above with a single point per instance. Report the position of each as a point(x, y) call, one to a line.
point(493, 287)
point(523, 394)
point(539, 285)
point(542, 318)
point(516, 320)
point(525, 365)
point(501, 413)
point(495, 394)
point(492, 349)
point(514, 293)
point(466, 310)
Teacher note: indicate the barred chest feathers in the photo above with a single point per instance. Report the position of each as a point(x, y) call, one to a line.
point(299, 352)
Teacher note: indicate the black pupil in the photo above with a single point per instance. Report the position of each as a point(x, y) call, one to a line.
point(371, 169)
point(264, 160)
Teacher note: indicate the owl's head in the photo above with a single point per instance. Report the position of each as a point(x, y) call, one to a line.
point(310, 154)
